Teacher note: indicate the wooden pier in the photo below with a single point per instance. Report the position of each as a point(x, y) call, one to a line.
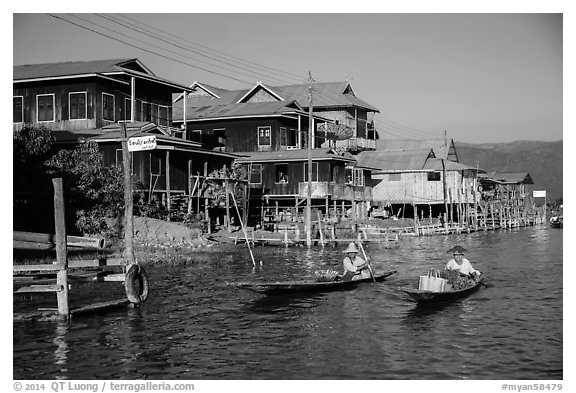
point(57, 277)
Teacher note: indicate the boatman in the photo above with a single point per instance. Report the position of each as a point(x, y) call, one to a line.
point(355, 268)
point(458, 262)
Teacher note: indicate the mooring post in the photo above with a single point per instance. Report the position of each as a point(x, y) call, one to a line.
point(61, 250)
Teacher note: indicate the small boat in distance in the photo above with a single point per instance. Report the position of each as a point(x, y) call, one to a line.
point(557, 221)
point(302, 286)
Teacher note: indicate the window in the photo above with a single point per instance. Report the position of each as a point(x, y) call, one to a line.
point(314, 171)
point(433, 176)
point(146, 111)
point(108, 107)
point(162, 115)
point(394, 176)
point(45, 107)
point(127, 110)
point(77, 105)
point(283, 137)
point(18, 109)
point(358, 177)
point(264, 136)
point(281, 173)
point(155, 165)
point(256, 174)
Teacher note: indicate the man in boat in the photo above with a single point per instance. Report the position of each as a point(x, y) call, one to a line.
point(355, 268)
point(458, 262)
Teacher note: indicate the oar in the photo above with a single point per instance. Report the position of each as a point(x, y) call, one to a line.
point(243, 228)
point(367, 261)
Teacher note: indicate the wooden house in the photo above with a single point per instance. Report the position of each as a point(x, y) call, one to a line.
point(506, 187)
point(280, 179)
point(86, 100)
point(416, 179)
point(276, 118)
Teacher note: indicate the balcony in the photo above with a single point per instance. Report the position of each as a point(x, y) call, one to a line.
point(323, 189)
point(357, 144)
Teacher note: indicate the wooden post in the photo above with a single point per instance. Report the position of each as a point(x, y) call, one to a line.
point(416, 231)
point(492, 216)
point(206, 212)
point(128, 201)
point(475, 208)
point(320, 229)
point(459, 211)
point(228, 191)
point(168, 202)
point(343, 211)
point(450, 211)
point(444, 192)
point(466, 209)
point(61, 250)
point(190, 187)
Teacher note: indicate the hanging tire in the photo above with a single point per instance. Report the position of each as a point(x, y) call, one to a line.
point(136, 284)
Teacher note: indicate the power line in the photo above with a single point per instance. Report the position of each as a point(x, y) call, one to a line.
point(155, 36)
point(295, 76)
point(147, 50)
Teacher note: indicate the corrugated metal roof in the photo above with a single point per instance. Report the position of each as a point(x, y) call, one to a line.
point(436, 165)
point(410, 160)
point(109, 67)
point(441, 149)
point(67, 68)
point(234, 110)
point(295, 155)
point(511, 177)
point(325, 95)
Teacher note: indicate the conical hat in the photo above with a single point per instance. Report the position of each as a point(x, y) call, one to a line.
point(457, 250)
point(351, 248)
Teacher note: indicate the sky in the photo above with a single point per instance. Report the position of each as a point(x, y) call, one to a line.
point(479, 77)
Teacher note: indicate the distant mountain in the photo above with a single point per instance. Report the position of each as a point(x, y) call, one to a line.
point(542, 160)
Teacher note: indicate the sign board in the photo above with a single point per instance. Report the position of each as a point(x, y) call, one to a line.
point(142, 143)
point(539, 194)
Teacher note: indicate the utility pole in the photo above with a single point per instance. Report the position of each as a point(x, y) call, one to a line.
point(128, 202)
point(444, 184)
point(310, 141)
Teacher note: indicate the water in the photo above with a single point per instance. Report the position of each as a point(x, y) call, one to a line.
point(194, 326)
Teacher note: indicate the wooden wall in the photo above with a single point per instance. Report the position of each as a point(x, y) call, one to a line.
point(94, 88)
point(242, 134)
point(414, 187)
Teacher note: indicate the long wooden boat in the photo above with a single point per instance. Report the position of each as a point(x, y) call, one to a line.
point(290, 287)
point(422, 296)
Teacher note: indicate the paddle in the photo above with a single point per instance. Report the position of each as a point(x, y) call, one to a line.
point(367, 261)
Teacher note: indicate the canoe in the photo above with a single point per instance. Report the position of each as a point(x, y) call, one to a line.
point(422, 296)
point(289, 287)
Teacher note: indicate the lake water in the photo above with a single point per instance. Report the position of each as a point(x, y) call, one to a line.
point(194, 326)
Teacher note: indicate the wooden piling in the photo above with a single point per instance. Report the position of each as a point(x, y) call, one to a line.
point(61, 251)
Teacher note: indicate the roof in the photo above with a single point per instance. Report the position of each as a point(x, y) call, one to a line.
point(326, 95)
point(112, 68)
point(436, 165)
point(112, 133)
point(396, 161)
point(442, 149)
point(509, 177)
point(295, 155)
point(236, 110)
